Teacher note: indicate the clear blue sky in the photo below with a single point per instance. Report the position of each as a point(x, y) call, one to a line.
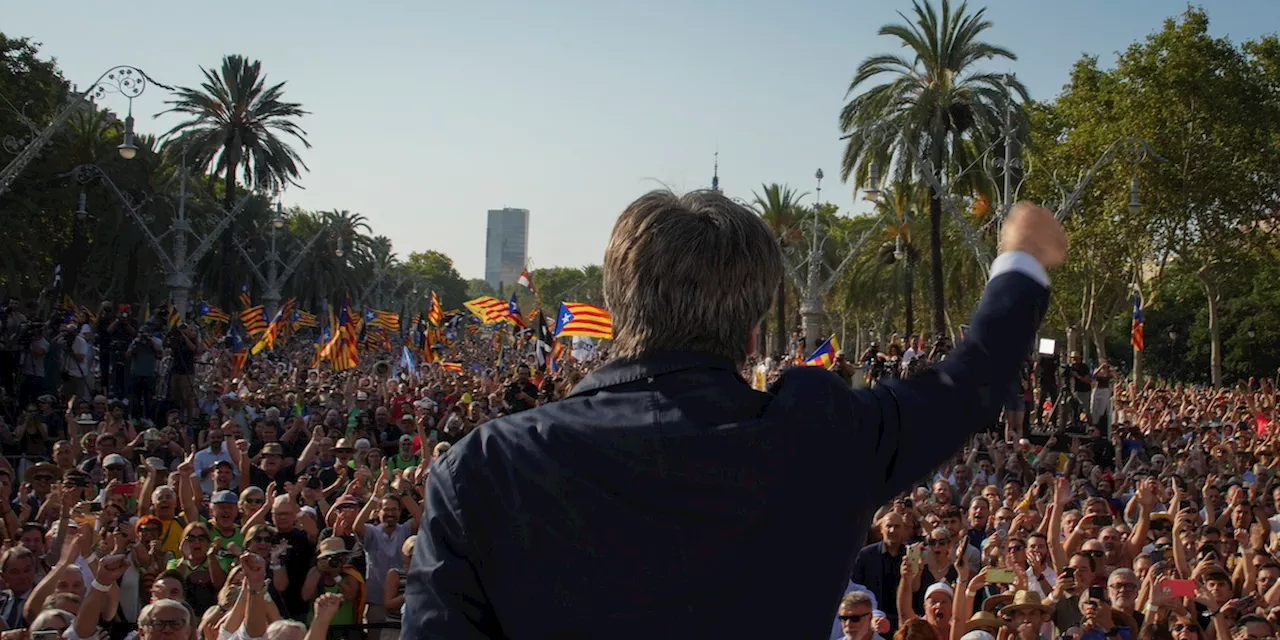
point(426, 114)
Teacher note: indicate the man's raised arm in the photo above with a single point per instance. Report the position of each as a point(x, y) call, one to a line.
point(927, 418)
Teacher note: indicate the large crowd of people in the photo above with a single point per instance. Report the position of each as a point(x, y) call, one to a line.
point(152, 487)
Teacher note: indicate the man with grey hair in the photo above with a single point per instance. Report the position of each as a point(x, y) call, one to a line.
point(664, 493)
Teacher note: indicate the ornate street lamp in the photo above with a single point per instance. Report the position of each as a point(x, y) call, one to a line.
point(125, 80)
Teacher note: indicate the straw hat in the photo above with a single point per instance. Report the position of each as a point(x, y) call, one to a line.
point(985, 621)
point(1024, 601)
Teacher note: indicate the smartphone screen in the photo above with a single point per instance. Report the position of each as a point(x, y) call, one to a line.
point(1000, 576)
point(1102, 521)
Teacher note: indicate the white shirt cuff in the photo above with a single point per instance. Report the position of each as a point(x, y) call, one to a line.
point(1020, 262)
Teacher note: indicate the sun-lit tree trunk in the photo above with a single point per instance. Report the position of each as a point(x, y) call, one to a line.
point(227, 287)
point(935, 241)
point(1211, 294)
point(909, 312)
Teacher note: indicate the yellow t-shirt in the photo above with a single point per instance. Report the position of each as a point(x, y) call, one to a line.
point(171, 537)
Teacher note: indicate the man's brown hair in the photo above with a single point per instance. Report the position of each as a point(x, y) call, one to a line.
point(695, 272)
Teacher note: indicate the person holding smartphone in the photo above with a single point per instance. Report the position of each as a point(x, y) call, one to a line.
point(1073, 584)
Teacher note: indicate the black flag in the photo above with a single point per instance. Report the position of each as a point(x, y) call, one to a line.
point(545, 340)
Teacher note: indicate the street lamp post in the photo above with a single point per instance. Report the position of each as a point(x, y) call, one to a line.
point(124, 80)
point(178, 263)
point(274, 280)
point(812, 287)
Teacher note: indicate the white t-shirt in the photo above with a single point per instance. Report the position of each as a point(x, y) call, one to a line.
point(77, 368)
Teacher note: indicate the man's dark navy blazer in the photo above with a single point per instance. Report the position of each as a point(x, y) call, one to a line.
point(665, 498)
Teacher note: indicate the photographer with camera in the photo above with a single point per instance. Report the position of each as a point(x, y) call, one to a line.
point(333, 573)
point(520, 394)
point(186, 346)
point(143, 354)
point(11, 318)
point(113, 334)
point(75, 362)
point(34, 337)
point(1080, 378)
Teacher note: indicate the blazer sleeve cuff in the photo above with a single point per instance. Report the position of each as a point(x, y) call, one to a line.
point(1020, 262)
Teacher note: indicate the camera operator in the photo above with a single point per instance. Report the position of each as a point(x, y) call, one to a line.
point(34, 336)
point(115, 332)
point(843, 368)
point(1080, 377)
point(941, 349)
point(75, 362)
point(1047, 379)
point(11, 318)
point(520, 394)
point(913, 357)
point(143, 354)
point(872, 362)
point(185, 347)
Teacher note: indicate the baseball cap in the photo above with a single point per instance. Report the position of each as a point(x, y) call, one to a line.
point(272, 449)
point(113, 460)
point(938, 587)
point(346, 501)
point(224, 497)
point(406, 438)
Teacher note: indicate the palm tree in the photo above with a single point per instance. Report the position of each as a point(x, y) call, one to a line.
point(779, 207)
point(934, 103)
point(896, 204)
point(239, 125)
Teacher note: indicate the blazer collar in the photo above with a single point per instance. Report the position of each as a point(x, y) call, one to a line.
point(651, 365)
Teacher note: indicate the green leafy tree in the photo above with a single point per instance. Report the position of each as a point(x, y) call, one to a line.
point(437, 270)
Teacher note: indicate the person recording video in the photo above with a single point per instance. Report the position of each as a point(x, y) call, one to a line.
point(144, 354)
point(76, 362)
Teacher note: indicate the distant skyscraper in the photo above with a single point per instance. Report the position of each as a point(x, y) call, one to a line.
point(506, 247)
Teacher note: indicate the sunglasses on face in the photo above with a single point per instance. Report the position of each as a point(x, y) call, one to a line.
point(937, 542)
point(43, 478)
point(254, 500)
point(197, 537)
point(155, 531)
point(264, 539)
point(1094, 553)
point(1014, 548)
point(1178, 628)
point(856, 618)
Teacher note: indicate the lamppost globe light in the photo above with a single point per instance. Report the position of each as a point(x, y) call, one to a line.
point(872, 192)
point(277, 221)
point(1252, 334)
point(1173, 333)
point(126, 148)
